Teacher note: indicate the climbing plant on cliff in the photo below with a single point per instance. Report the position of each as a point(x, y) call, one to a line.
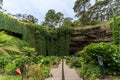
point(9, 23)
point(53, 41)
point(115, 25)
point(46, 40)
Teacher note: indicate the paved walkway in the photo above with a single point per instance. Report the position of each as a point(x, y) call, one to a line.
point(70, 74)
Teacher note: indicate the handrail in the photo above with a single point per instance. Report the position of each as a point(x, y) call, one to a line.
point(63, 76)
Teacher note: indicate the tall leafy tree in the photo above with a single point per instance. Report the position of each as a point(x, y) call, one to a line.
point(67, 22)
point(81, 7)
point(104, 9)
point(53, 19)
point(100, 11)
point(76, 23)
point(60, 18)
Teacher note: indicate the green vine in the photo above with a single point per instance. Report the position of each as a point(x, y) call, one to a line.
point(115, 25)
point(47, 41)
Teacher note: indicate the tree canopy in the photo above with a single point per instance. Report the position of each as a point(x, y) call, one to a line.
point(53, 19)
point(100, 11)
point(1, 1)
point(26, 18)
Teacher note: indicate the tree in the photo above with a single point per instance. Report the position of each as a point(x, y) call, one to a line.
point(53, 19)
point(50, 18)
point(26, 18)
point(1, 1)
point(81, 7)
point(85, 20)
point(76, 23)
point(60, 18)
point(100, 11)
point(67, 22)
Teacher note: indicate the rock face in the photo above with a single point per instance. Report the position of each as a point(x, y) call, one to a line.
point(82, 37)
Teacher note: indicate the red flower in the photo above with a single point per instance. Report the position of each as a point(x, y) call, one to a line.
point(18, 71)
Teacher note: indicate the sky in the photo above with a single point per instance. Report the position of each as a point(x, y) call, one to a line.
point(39, 8)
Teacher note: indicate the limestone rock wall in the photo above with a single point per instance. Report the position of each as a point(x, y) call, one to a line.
point(82, 37)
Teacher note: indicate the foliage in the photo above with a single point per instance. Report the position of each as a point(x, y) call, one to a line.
point(76, 23)
point(1, 1)
point(89, 72)
point(26, 18)
point(3, 61)
point(29, 51)
point(115, 26)
point(67, 22)
point(109, 53)
point(9, 65)
point(10, 77)
point(19, 43)
point(11, 24)
point(35, 73)
point(75, 62)
point(81, 7)
point(85, 20)
point(53, 19)
point(46, 71)
point(55, 60)
point(101, 10)
point(5, 46)
point(47, 41)
point(10, 68)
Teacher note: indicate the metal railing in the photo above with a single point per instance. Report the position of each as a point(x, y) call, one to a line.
point(63, 76)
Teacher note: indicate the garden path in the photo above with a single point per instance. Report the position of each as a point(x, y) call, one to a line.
point(70, 74)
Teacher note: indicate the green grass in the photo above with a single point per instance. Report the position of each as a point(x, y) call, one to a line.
point(8, 77)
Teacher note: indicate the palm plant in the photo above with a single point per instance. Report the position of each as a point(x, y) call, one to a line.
point(5, 47)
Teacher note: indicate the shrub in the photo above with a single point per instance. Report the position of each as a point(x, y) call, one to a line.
point(46, 71)
point(46, 61)
point(3, 61)
point(89, 72)
point(35, 73)
point(109, 53)
point(75, 62)
point(55, 60)
point(68, 59)
point(10, 68)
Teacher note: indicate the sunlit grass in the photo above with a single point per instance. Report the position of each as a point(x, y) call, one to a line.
point(91, 26)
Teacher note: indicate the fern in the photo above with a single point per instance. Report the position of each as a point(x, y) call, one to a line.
point(7, 44)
